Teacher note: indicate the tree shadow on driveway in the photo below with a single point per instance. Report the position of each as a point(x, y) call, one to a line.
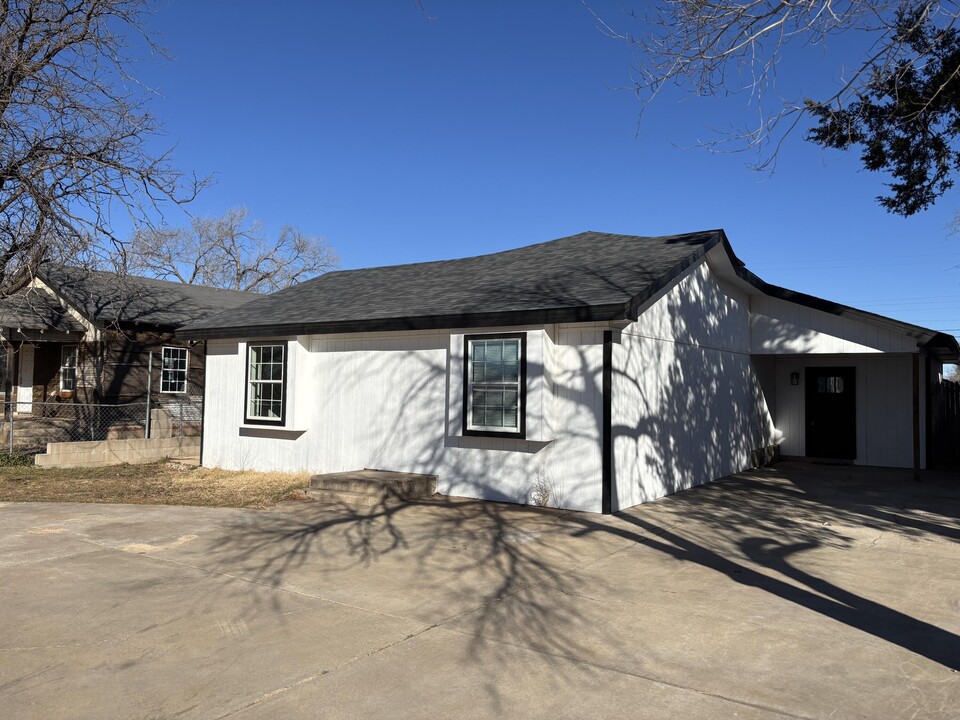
point(515, 571)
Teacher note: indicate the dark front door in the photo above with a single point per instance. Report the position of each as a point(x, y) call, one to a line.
point(831, 413)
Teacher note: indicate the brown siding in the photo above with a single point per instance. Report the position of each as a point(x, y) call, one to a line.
point(125, 360)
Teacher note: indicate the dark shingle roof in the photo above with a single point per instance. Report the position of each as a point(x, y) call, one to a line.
point(590, 276)
point(108, 298)
point(36, 309)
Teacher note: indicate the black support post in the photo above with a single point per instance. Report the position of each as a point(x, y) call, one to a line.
point(607, 450)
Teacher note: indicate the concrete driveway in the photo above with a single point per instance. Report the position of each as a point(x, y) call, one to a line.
point(800, 591)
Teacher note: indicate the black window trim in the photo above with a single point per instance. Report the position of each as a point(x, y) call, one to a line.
point(520, 434)
point(247, 420)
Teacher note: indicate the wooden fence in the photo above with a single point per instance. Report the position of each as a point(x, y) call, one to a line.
point(945, 435)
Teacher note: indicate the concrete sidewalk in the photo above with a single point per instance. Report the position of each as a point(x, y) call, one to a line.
point(801, 591)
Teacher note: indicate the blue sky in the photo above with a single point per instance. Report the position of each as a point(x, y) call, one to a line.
point(498, 124)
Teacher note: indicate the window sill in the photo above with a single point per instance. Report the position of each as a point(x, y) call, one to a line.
point(495, 434)
point(271, 431)
point(268, 426)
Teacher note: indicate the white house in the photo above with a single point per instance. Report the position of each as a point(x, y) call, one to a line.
point(608, 369)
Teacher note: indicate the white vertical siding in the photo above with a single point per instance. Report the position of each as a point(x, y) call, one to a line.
point(778, 327)
point(884, 413)
point(687, 403)
point(574, 470)
point(393, 401)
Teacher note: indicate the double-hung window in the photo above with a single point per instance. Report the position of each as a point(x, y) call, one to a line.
point(173, 375)
point(494, 385)
point(266, 384)
point(68, 368)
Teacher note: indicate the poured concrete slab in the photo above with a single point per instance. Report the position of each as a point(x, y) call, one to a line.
point(793, 592)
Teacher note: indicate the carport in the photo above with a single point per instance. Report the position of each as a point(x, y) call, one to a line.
point(847, 385)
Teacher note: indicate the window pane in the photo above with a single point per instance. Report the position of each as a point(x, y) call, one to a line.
point(274, 372)
point(479, 416)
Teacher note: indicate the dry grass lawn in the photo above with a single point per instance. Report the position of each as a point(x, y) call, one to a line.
point(167, 483)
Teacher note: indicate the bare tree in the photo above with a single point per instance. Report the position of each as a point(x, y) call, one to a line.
point(897, 98)
point(73, 132)
point(230, 251)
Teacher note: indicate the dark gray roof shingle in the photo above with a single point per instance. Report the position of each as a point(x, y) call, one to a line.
point(590, 276)
point(108, 298)
point(36, 309)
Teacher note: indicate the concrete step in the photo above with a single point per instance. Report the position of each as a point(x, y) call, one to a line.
point(353, 499)
point(375, 484)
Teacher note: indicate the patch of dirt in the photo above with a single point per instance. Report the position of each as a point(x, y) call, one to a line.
point(153, 484)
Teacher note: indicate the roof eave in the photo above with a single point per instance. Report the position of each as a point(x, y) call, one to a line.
point(545, 316)
point(938, 344)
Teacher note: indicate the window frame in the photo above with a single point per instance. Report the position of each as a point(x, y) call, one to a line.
point(186, 370)
point(65, 351)
point(254, 420)
point(830, 385)
point(521, 431)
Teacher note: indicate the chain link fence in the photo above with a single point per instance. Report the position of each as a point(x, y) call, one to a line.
point(28, 427)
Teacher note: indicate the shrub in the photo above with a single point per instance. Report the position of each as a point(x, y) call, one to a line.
point(15, 459)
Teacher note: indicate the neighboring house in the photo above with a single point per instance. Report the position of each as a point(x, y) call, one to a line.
point(607, 370)
point(86, 336)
